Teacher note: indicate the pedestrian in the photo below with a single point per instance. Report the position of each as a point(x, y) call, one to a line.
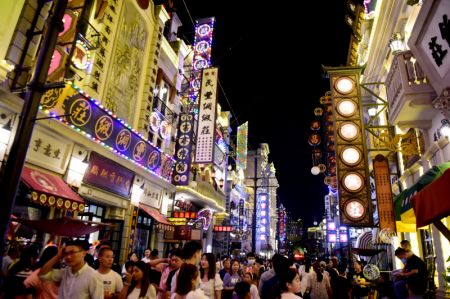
point(290, 284)
point(415, 270)
point(78, 280)
point(361, 286)
point(210, 281)
point(230, 279)
point(112, 282)
point(175, 261)
point(304, 274)
point(146, 258)
point(192, 253)
point(18, 272)
point(318, 284)
point(45, 288)
point(248, 277)
point(242, 290)
point(226, 267)
point(188, 279)
point(343, 289)
point(137, 285)
point(132, 257)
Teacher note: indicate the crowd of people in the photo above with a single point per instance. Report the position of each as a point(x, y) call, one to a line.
point(70, 272)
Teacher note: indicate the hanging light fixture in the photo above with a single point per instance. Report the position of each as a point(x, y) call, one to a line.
point(397, 43)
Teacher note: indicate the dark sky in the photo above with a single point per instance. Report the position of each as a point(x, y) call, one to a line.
point(270, 59)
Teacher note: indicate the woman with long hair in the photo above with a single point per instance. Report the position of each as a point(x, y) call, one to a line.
point(318, 284)
point(210, 281)
point(187, 282)
point(45, 287)
point(304, 272)
point(137, 285)
point(289, 284)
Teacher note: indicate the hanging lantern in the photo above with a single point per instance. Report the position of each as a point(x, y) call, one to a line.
point(318, 111)
point(317, 153)
point(314, 139)
point(315, 170)
point(315, 125)
point(322, 168)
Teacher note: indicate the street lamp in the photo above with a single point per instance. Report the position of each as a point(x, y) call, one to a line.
point(397, 43)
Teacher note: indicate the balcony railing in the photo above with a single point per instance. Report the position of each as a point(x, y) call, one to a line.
point(408, 90)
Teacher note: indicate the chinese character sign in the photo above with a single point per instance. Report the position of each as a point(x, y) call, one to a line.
point(108, 175)
point(86, 115)
point(204, 151)
point(241, 147)
point(384, 193)
point(183, 149)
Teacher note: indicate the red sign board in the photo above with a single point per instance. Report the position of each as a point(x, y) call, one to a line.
point(221, 228)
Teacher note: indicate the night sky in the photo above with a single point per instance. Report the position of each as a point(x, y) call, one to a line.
point(270, 59)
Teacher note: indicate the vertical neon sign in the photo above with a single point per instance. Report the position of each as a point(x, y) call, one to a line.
point(202, 55)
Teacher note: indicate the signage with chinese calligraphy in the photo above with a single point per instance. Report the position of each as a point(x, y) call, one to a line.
point(430, 43)
point(384, 192)
point(152, 195)
point(108, 175)
point(86, 115)
point(49, 152)
point(241, 146)
point(183, 149)
point(204, 152)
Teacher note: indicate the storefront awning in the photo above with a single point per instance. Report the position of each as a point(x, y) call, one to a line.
point(404, 212)
point(51, 190)
point(432, 204)
point(163, 223)
point(65, 226)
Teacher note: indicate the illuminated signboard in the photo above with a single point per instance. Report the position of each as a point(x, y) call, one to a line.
point(84, 114)
point(202, 54)
point(241, 147)
point(204, 151)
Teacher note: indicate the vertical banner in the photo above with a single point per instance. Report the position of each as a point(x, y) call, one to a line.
point(384, 193)
point(183, 149)
point(241, 147)
point(204, 152)
point(133, 227)
point(202, 54)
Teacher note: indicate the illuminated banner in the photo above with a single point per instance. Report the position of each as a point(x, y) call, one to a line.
point(183, 149)
point(384, 193)
point(204, 152)
point(108, 175)
point(202, 54)
point(241, 147)
point(82, 113)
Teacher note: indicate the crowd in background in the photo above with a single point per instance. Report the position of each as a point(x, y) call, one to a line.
point(187, 273)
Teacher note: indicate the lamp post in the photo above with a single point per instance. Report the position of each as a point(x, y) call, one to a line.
point(13, 167)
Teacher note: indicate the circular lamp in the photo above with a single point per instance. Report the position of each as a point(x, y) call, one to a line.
point(315, 170)
point(344, 85)
point(353, 182)
point(351, 155)
point(346, 108)
point(348, 131)
point(354, 209)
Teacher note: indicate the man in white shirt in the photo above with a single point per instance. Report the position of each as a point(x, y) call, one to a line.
point(112, 282)
point(78, 280)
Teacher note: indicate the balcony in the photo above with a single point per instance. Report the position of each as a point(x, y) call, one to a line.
point(409, 93)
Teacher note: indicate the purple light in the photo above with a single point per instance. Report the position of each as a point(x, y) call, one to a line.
point(332, 238)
